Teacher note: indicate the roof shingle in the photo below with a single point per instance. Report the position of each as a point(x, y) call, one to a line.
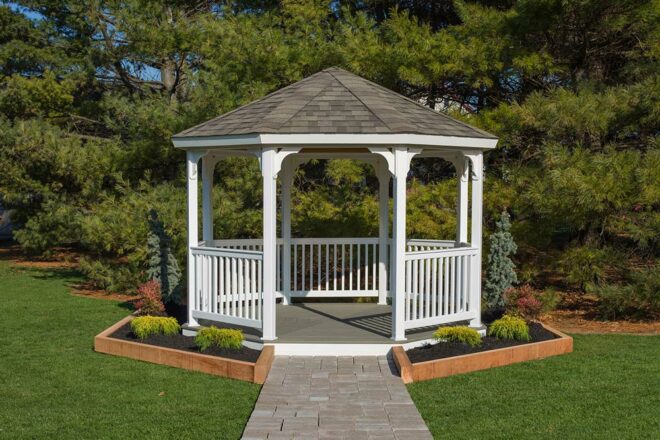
point(334, 101)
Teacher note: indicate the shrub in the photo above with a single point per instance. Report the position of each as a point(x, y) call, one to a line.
point(462, 334)
point(550, 299)
point(501, 274)
point(149, 301)
point(510, 327)
point(219, 337)
point(145, 326)
point(523, 301)
point(162, 265)
point(640, 299)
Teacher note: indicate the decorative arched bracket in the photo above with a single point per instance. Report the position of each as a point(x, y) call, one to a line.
point(193, 160)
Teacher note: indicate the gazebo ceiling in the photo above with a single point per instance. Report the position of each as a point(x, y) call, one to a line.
point(334, 102)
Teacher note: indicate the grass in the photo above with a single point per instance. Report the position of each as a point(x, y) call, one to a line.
point(53, 385)
point(608, 388)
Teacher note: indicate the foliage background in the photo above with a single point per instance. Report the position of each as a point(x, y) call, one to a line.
point(91, 91)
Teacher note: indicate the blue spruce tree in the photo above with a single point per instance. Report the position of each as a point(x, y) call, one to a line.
point(501, 272)
point(162, 266)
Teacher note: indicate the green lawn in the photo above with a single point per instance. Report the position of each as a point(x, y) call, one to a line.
point(52, 385)
point(608, 388)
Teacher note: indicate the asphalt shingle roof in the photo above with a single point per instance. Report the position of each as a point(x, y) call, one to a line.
point(334, 101)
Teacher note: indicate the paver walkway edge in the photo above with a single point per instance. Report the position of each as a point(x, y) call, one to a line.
point(327, 397)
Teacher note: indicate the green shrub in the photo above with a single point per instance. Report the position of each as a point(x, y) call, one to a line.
point(550, 299)
point(145, 326)
point(219, 337)
point(510, 327)
point(462, 334)
point(640, 299)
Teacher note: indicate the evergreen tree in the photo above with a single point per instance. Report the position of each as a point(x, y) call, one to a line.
point(501, 270)
point(162, 265)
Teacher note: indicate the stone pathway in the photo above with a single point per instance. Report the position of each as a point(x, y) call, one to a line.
point(335, 398)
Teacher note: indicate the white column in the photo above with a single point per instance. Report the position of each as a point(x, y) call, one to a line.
point(192, 159)
point(208, 165)
point(269, 173)
point(383, 229)
point(398, 285)
point(462, 173)
point(475, 235)
point(286, 177)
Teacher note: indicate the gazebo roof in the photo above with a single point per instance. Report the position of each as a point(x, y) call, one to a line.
point(333, 102)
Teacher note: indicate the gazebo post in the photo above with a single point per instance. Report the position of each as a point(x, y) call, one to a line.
point(269, 173)
point(383, 175)
point(475, 235)
point(286, 177)
point(462, 172)
point(192, 159)
point(208, 166)
point(398, 285)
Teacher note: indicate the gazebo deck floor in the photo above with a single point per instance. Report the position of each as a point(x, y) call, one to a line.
point(339, 323)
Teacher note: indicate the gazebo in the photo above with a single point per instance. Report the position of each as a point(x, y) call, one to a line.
point(335, 114)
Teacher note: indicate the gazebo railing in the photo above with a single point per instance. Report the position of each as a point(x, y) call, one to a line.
point(322, 267)
point(228, 277)
point(331, 267)
point(438, 285)
point(228, 285)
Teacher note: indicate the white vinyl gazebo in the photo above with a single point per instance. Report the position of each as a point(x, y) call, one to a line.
point(335, 114)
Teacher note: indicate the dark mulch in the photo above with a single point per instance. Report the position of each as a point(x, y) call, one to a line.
point(186, 343)
point(449, 349)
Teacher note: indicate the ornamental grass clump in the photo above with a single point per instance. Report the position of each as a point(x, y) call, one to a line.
point(510, 327)
point(462, 334)
point(219, 337)
point(145, 326)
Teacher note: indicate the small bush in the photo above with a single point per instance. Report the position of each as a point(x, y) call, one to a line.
point(639, 300)
point(510, 327)
point(218, 337)
point(150, 301)
point(523, 301)
point(550, 299)
point(462, 334)
point(145, 326)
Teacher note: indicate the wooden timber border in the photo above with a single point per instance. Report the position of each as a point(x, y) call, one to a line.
point(480, 361)
point(248, 371)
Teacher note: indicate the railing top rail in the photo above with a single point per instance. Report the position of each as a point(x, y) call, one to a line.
point(236, 241)
point(258, 240)
point(430, 241)
point(437, 253)
point(230, 253)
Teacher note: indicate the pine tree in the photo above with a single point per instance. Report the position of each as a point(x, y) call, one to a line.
point(501, 270)
point(162, 265)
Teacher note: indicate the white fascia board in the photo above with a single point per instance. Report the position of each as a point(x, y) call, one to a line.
point(352, 140)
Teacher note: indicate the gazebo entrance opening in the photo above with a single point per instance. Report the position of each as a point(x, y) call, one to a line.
point(335, 114)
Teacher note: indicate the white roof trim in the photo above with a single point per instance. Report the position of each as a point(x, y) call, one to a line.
point(349, 140)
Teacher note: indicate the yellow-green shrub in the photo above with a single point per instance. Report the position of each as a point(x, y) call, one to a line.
point(462, 334)
point(145, 326)
point(219, 337)
point(510, 327)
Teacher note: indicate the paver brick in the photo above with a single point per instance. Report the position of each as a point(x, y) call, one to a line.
point(335, 398)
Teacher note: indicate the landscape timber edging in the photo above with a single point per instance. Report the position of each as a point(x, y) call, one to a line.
point(480, 361)
point(248, 371)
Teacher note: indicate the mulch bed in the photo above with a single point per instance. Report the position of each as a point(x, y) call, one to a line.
point(444, 350)
point(186, 343)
